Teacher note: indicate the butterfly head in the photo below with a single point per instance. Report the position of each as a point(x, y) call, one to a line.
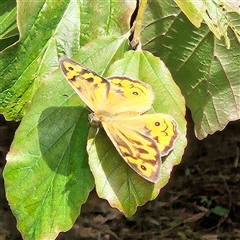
point(94, 120)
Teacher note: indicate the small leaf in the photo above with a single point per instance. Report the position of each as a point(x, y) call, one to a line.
point(220, 211)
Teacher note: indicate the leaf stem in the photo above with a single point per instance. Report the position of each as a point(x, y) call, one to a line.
point(136, 41)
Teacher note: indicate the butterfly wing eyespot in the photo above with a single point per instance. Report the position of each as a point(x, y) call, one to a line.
point(167, 133)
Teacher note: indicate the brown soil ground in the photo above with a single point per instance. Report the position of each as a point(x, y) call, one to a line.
point(201, 200)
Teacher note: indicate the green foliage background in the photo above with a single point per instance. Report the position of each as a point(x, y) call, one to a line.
point(48, 158)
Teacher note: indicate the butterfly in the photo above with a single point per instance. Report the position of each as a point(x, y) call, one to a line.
point(117, 105)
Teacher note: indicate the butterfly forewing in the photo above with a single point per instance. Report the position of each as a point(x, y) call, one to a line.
point(85, 82)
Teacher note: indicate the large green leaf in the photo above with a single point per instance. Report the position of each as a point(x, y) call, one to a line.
point(205, 70)
point(43, 176)
point(48, 29)
point(47, 176)
point(115, 180)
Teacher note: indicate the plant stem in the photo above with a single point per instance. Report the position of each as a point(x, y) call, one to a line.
point(136, 42)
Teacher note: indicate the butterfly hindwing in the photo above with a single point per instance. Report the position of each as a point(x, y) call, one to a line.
point(141, 140)
point(138, 149)
point(162, 127)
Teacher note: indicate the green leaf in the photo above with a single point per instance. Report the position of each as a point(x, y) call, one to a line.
point(8, 32)
point(220, 211)
point(46, 181)
point(107, 49)
point(115, 180)
point(48, 157)
point(206, 72)
point(49, 29)
point(194, 10)
point(214, 13)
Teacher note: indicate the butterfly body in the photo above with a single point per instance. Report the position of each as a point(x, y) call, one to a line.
point(118, 105)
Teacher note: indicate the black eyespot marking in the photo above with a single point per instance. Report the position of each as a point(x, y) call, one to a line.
point(70, 68)
point(157, 124)
point(143, 168)
point(73, 79)
point(135, 93)
point(90, 80)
